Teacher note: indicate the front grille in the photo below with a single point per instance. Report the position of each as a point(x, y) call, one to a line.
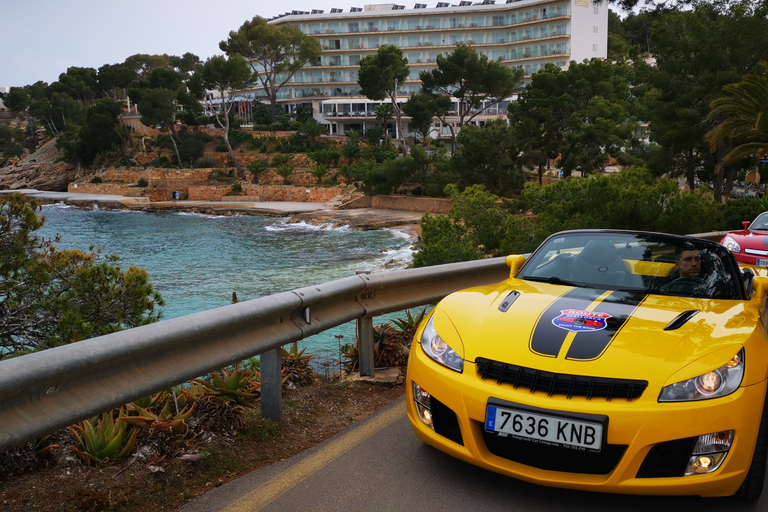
point(554, 458)
point(445, 421)
point(667, 459)
point(560, 383)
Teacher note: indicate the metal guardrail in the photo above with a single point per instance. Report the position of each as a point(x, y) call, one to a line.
point(55, 388)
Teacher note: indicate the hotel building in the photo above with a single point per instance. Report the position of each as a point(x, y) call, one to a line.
point(519, 33)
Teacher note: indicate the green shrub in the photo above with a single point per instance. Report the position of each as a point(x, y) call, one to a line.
point(221, 148)
point(237, 137)
point(126, 162)
point(165, 163)
point(96, 179)
point(204, 162)
point(296, 125)
point(202, 120)
point(274, 127)
point(218, 174)
point(191, 148)
point(237, 188)
point(142, 183)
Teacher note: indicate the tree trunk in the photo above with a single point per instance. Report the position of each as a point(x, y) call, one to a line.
point(175, 146)
point(398, 123)
point(240, 171)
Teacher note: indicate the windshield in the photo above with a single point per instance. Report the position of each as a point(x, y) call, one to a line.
point(642, 262)
point(760, 223)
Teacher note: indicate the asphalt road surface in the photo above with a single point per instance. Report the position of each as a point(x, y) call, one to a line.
point(378, 465)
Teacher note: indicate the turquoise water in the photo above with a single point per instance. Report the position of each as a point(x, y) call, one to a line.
point(197, 261)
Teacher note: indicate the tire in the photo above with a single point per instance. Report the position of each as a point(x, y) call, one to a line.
point(752, 487)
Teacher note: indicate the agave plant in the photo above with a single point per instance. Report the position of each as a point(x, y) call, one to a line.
point(389, 347)
point(235, 386)
point(410, 323)
point(166, 420)
point(295, 366)
point(105, 440)
point(350, 357)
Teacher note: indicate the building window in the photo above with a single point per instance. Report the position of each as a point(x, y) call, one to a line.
point(594, 29)
point(596, 9)
point(594, 47)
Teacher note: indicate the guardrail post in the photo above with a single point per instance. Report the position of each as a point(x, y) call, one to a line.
point(271, 384)
point(365, 345)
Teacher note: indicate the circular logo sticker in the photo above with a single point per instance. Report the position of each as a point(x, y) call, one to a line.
point(575, 320)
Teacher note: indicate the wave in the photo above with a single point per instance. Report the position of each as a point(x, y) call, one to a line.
point(285, 226)
point(59, 206)
point(202, 215)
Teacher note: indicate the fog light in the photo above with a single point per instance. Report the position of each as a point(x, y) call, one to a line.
point(700, 464)
point(423, 402)
point(709, 452)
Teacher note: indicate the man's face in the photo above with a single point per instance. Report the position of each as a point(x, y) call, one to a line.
point(689, 264)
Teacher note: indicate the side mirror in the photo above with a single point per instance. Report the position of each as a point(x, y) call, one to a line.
point(760, 287)
point(515, 263)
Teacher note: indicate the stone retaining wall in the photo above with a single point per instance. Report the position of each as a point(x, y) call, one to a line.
point(193, 185)
point(265, 193)
point(433, 205)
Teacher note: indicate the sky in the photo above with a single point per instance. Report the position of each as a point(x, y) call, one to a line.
point(40, 39)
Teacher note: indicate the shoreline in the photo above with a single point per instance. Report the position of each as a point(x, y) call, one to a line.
point(312, 213)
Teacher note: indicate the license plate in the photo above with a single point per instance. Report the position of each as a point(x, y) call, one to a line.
point(544, 428)
point(762, 262)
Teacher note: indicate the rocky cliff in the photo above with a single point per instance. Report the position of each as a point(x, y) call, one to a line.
point(41, 170)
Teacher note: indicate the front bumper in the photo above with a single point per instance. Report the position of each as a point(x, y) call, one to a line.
point(636, 427)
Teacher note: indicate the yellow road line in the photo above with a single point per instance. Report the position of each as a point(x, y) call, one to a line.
point(263, 495)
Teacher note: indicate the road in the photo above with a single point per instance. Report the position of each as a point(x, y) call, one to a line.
point(378, 465)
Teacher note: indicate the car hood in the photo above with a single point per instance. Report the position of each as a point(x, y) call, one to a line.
point(594, 332)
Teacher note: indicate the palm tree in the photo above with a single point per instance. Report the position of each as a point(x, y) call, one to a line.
point(745, 118)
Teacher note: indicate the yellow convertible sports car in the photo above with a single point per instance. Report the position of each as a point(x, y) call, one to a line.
point(613, 361)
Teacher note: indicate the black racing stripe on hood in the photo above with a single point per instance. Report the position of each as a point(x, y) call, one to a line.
point(546, 338)
point(589, 345)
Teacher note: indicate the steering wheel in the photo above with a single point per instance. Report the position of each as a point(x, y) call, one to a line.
point(686, 285)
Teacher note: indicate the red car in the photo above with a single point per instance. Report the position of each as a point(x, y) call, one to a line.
point(750, 246)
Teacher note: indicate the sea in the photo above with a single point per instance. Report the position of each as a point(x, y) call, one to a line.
point(197, 261)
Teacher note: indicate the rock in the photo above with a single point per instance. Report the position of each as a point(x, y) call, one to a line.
point(40, 170)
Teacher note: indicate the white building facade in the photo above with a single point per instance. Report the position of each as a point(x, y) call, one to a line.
point(519, 33)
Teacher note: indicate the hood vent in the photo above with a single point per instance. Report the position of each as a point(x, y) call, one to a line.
point(508, 300)
point(681, 320)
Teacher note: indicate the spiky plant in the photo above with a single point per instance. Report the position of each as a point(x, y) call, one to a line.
point(295, 366)
point(105, 440)
point(235, 385)
point(410, 323)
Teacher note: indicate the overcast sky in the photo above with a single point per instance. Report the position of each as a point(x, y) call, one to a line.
point(40, 39)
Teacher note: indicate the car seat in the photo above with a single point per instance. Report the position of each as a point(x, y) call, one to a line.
point(599, 262)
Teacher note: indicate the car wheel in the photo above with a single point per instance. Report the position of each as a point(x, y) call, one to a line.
point(752, 487)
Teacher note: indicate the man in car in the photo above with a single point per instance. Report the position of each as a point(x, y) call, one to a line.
point(688, 262)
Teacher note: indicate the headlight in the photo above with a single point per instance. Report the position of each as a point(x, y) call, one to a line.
point(715, 384)
point(731, 244)
point(437, 349)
